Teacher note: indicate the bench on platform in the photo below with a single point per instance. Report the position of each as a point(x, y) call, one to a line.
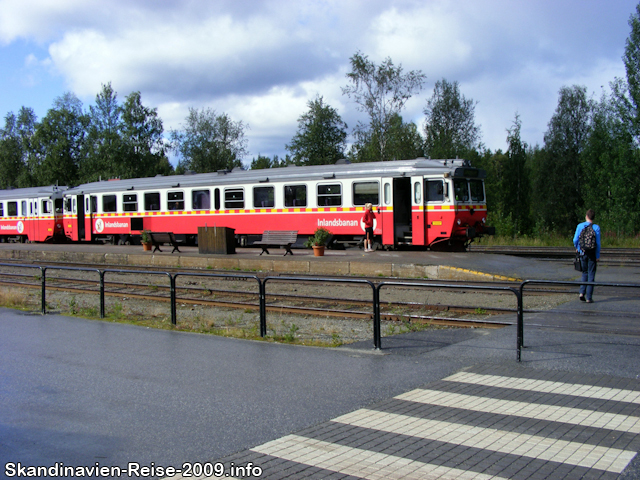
point(277, 238)
point(160, 238)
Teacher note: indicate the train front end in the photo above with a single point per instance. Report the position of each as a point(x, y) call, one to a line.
point(470, 205)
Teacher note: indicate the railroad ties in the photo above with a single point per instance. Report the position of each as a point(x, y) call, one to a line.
point(486, 422)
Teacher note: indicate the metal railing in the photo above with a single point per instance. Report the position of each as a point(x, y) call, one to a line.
point(520, 325)
point(262, 284)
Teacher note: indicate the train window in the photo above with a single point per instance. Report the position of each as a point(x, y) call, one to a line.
point(330, 195)
point(175, 200)
point(417, 193)
point(73, 203)
point(12, 209)
point(109, 203)
point(46, 206)
point(263, 197)
point(295, 196)
point(461, 189)
point(152, 201)
point(434, 191)
point(387, 193)
point(67, 204)
point(477, 190)
point(201, 200)
point(23, 208)
point(1, 209)
point(365, 192)
point(233, 198)
point(94, 204)
point(216, 198)
point(130, 202)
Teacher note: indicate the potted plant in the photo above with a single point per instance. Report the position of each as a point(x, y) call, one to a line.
point(145, 237)
point(318, 241)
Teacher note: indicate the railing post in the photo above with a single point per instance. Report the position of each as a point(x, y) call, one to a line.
point(174, 318)
point(101, 293)
point(377, 334)
point(520, 323)
point(263, 308)
point(43, 295)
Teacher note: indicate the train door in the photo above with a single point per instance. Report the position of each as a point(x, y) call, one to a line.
point(31, 223)
point(90, 208)
point(402, 211)
point(417, 211)
point(79, 210)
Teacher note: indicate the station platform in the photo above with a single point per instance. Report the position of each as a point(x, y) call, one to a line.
point(401, 264)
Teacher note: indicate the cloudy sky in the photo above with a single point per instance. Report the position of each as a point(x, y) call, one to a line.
point(261, 61)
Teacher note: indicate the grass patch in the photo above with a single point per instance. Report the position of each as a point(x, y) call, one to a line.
point(608, 239)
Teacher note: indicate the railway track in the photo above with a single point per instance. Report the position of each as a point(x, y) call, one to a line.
point(293, 303)
point(607, 255)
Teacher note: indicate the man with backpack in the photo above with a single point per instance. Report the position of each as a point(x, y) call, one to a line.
point(587, 243)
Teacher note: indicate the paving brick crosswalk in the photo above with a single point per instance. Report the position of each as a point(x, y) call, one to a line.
point(482, 423)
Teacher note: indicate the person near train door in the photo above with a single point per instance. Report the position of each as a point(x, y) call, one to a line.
point(587, 243)
point(368, 219)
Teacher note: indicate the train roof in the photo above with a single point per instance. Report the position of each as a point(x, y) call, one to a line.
point(396, 168)
point(19, 193)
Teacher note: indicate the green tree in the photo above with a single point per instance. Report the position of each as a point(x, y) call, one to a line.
point(611, 171)
point(627, 93)
point(209, 142)
point(509, 185)
point(405, 142)
point(105, 141)
point(321, 137)
point(381, 92)
point(59, 145)
point(15, 142)
point(143, 150)
point(558, 174)
point(263, 162)
point(450, 129)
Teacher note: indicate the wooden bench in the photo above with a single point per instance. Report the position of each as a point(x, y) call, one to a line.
point(160, 238)
point(278, 238)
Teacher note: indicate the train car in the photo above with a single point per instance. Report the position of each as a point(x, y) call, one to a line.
point(420, 202)
point(31, 214)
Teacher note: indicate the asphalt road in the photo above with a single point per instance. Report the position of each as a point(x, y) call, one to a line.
point(81, 392)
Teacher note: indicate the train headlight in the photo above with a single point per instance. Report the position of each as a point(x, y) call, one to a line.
point(459, 222)
point(58, 226)
point(484, 220)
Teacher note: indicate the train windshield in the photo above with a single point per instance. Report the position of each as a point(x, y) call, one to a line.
point(477, 190)
point(468, 190)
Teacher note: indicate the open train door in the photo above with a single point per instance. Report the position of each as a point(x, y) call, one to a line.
point(401, 211)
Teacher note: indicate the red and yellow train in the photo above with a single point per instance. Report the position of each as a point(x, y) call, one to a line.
point(420, 202)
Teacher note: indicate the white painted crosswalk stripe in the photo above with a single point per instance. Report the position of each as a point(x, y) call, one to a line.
point(542, 386)
point(574, 453)
point(574, 416)
point(360, 463)
point(472, 426)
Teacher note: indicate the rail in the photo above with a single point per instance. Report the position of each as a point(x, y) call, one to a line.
point(520, 323)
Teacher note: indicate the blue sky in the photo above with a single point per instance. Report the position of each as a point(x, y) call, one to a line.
point(262, 61)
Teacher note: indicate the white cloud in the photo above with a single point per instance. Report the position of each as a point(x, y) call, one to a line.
point(261, 61)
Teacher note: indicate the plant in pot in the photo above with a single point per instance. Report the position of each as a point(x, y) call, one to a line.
point(318, 241)
point(145, 238)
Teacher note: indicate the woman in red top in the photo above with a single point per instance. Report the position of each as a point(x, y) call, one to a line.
point(367, 219)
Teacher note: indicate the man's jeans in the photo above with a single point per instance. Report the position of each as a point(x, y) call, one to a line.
point(589, 265)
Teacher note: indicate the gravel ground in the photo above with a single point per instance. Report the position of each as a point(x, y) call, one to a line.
point(282, 327)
